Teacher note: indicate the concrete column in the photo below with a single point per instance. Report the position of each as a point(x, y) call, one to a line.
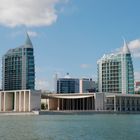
point(115, 103)
point(120, 103)
point(58, 105)
point(92, 103)
point(24, 101)
point(135, 103)
point(131, 104)
point(29, 101)
point(4, 103)
point(15, 101)
point(125, 103)
point(19, 101)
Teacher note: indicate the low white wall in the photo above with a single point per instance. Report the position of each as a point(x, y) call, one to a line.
point(35, 100)
point(99, 101)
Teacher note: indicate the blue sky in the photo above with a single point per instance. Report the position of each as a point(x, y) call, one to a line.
point(70, 35)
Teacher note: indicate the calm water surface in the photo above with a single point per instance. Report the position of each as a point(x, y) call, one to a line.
point(70, 127)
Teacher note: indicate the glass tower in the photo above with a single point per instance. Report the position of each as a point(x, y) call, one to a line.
point(67, 85)
point(115, 72)
point(18, 70)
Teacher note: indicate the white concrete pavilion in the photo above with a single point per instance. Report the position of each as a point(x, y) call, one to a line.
point(75, 101)
point(20, 100)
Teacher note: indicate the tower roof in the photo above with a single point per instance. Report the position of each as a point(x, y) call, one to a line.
point(125, 49)
point(28, 41)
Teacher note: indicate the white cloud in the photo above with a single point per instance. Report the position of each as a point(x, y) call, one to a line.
point(134, 47)
point(32, 33)
point(42, 84)
point(28, 12)
point(85, 66)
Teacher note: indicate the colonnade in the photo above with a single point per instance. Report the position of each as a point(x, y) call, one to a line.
point(76, 104)
point(18, 101)
point(123, 103)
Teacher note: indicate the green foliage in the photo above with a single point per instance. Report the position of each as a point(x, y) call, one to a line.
point(42, 106)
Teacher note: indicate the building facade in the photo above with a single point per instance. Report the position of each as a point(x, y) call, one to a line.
point(18, 69)
point(67, 85)
point(115, 72)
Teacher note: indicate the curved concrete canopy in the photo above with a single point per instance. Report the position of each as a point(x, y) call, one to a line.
point(66, 96)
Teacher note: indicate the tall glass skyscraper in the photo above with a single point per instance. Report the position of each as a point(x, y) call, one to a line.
point(18, 68)
point(115, 72)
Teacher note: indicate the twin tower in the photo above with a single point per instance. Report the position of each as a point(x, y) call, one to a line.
point(18, 68)
point(115, 71)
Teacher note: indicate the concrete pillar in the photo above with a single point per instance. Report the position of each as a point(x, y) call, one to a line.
point(29, 101)
point(58, 105)
point(120, 103)
point(131, 106)
point(19, 101)
point(125, 102)
point(92, 103)
point(24, 103)
point(135, 103)
point(15, 101)
point(4, 103)
point(115, 103)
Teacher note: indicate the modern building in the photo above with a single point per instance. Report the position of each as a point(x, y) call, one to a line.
point(18, 68)
point(122, 102)
point(77, 101)
point(87, 85)
point(67, 85)
point(20, 100)
point(115, 72)
point(102, 102)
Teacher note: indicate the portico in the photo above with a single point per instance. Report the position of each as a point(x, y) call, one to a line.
point(76, 101)
point(19, 100)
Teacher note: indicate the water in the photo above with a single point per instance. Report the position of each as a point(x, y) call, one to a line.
point(70, 127)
